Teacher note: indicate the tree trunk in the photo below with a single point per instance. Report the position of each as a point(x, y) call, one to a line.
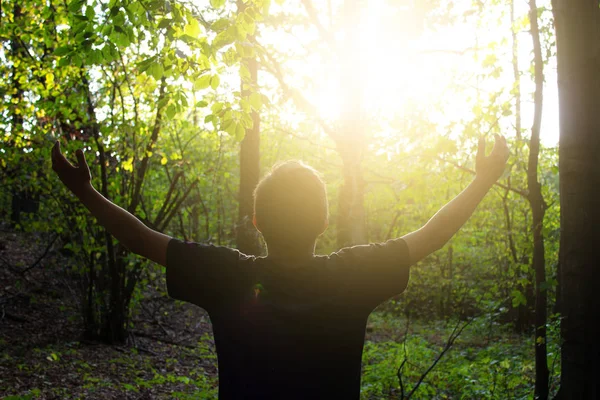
point(247, 237)
point(523, 314)
point(577, 25)
point(351, 227)
point(538, 209)
point(350, 142)
point(21, 197)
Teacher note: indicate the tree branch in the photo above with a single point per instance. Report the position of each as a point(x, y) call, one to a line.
point(176, 206)
point(163, 210)
point(521, 192)
point(325, 34)
point(301, 102)
point(139, 180)
point(451, 339)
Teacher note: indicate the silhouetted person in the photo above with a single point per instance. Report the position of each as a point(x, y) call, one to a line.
point(290, 325)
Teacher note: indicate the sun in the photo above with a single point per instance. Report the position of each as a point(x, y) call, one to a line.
point(391, 63)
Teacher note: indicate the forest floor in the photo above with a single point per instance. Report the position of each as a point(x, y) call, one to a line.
point(170, 351)
point(169, 354)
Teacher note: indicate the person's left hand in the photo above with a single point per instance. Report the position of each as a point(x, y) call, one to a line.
point(76, 178)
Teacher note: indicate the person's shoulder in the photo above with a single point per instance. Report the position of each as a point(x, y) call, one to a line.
point(373, 249)
point(206, 250)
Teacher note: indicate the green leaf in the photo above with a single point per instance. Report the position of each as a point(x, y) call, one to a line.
point(120, 39)
point(76, 60)
point(217, 3)
point(215, 81)
point(201, 104)
point(220, 25)
point(163, 102)
point(119, 19)
point(154, 5)
point(61, 51)
point(255, 101)
point(240, 132)
point(192, 28)
point(216, 107)
point(136, 8)
point(244, 72)
point(75, 5)
point(171, 111)
point(144, 65)
point(202, 82)
point(223, 39)
point(156, 70)
point(228, 126)
point(164, 23)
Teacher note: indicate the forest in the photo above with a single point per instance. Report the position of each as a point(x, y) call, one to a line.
point(181, 106)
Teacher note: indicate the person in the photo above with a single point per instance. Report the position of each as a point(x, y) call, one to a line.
point(290, 325)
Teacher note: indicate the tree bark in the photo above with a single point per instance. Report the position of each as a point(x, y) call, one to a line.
point(538, 209)
point(247, 237)
point(577, 25)
point(350, 142)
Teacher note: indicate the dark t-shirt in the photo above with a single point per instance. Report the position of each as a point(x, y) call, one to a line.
point(288, 332)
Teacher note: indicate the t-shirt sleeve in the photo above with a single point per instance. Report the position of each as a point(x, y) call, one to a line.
point(375, 272)
point(201, 274)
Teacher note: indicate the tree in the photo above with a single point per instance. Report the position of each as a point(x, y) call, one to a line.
point(351, 140)
point(247, 238)
point(538, 209)
point(577, 25)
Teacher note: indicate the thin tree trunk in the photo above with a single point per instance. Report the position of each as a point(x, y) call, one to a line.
point(247, 237)
point(538, 208)
point(350, 142)
point(20, 196)
point(524, 316)
point(577, 25)
point(516, 74)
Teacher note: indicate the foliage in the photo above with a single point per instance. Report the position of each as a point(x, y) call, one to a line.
point(487, 362)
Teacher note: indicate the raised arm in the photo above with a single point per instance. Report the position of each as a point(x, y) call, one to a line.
point(450, 218)
point(125, 227)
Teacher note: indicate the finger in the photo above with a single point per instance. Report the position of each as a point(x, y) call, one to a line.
point(498, 144)
point(81, 158)
point(59, 159)
point(481, 148)
point(55, 150)
point(500, 150)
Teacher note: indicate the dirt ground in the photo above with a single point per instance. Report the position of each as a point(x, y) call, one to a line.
point(169, 353)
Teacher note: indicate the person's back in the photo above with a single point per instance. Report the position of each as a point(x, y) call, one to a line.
point(288, 331)
point(290, 325)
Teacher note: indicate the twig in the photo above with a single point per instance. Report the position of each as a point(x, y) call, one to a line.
point(401, 367)
point(451, 339)
point(41, 257)
point(325, 34)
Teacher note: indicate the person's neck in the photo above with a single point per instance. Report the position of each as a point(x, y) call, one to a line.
point(294, 253)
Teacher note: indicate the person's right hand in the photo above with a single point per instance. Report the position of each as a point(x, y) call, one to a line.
point(76, 178)
point(490, 168)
